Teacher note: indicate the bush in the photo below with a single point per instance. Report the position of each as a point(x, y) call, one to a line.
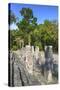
point(14, 48)
point(39, 44)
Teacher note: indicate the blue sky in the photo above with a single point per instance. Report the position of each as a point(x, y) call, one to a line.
point(42, 12)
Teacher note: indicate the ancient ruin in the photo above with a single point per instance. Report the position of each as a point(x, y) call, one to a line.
point(29, 66)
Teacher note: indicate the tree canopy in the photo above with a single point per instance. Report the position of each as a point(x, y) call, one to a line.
point(32, 33)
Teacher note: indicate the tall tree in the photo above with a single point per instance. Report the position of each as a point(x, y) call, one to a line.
point(28, 23)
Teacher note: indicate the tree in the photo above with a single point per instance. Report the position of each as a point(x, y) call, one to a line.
point(49, 34)
point(28, 23)
point(32, 33)
point(12, 17)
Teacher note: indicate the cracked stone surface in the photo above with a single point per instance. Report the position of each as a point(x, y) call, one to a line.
point(23, 61)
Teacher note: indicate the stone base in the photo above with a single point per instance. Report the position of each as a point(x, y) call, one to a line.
point(49, 78)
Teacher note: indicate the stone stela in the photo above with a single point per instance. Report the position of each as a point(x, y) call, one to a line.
point(29, 59)
point(49, 62)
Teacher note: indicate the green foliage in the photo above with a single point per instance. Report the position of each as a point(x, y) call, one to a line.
point(26, 13)
point(39, 44)
point(14, 41)
point(12, 17)
point(33, 34)
point(28, 23)
point(49, 34)
point(14, 47)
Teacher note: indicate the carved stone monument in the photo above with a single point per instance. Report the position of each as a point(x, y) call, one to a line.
point(36, 59)
point(32, 49)
point(29, 59)
point(49, 62)
point(37, 52)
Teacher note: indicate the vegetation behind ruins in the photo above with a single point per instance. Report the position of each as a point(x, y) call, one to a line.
point(32, 33)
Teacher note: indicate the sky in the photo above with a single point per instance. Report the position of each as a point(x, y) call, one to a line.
point(41, 12)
